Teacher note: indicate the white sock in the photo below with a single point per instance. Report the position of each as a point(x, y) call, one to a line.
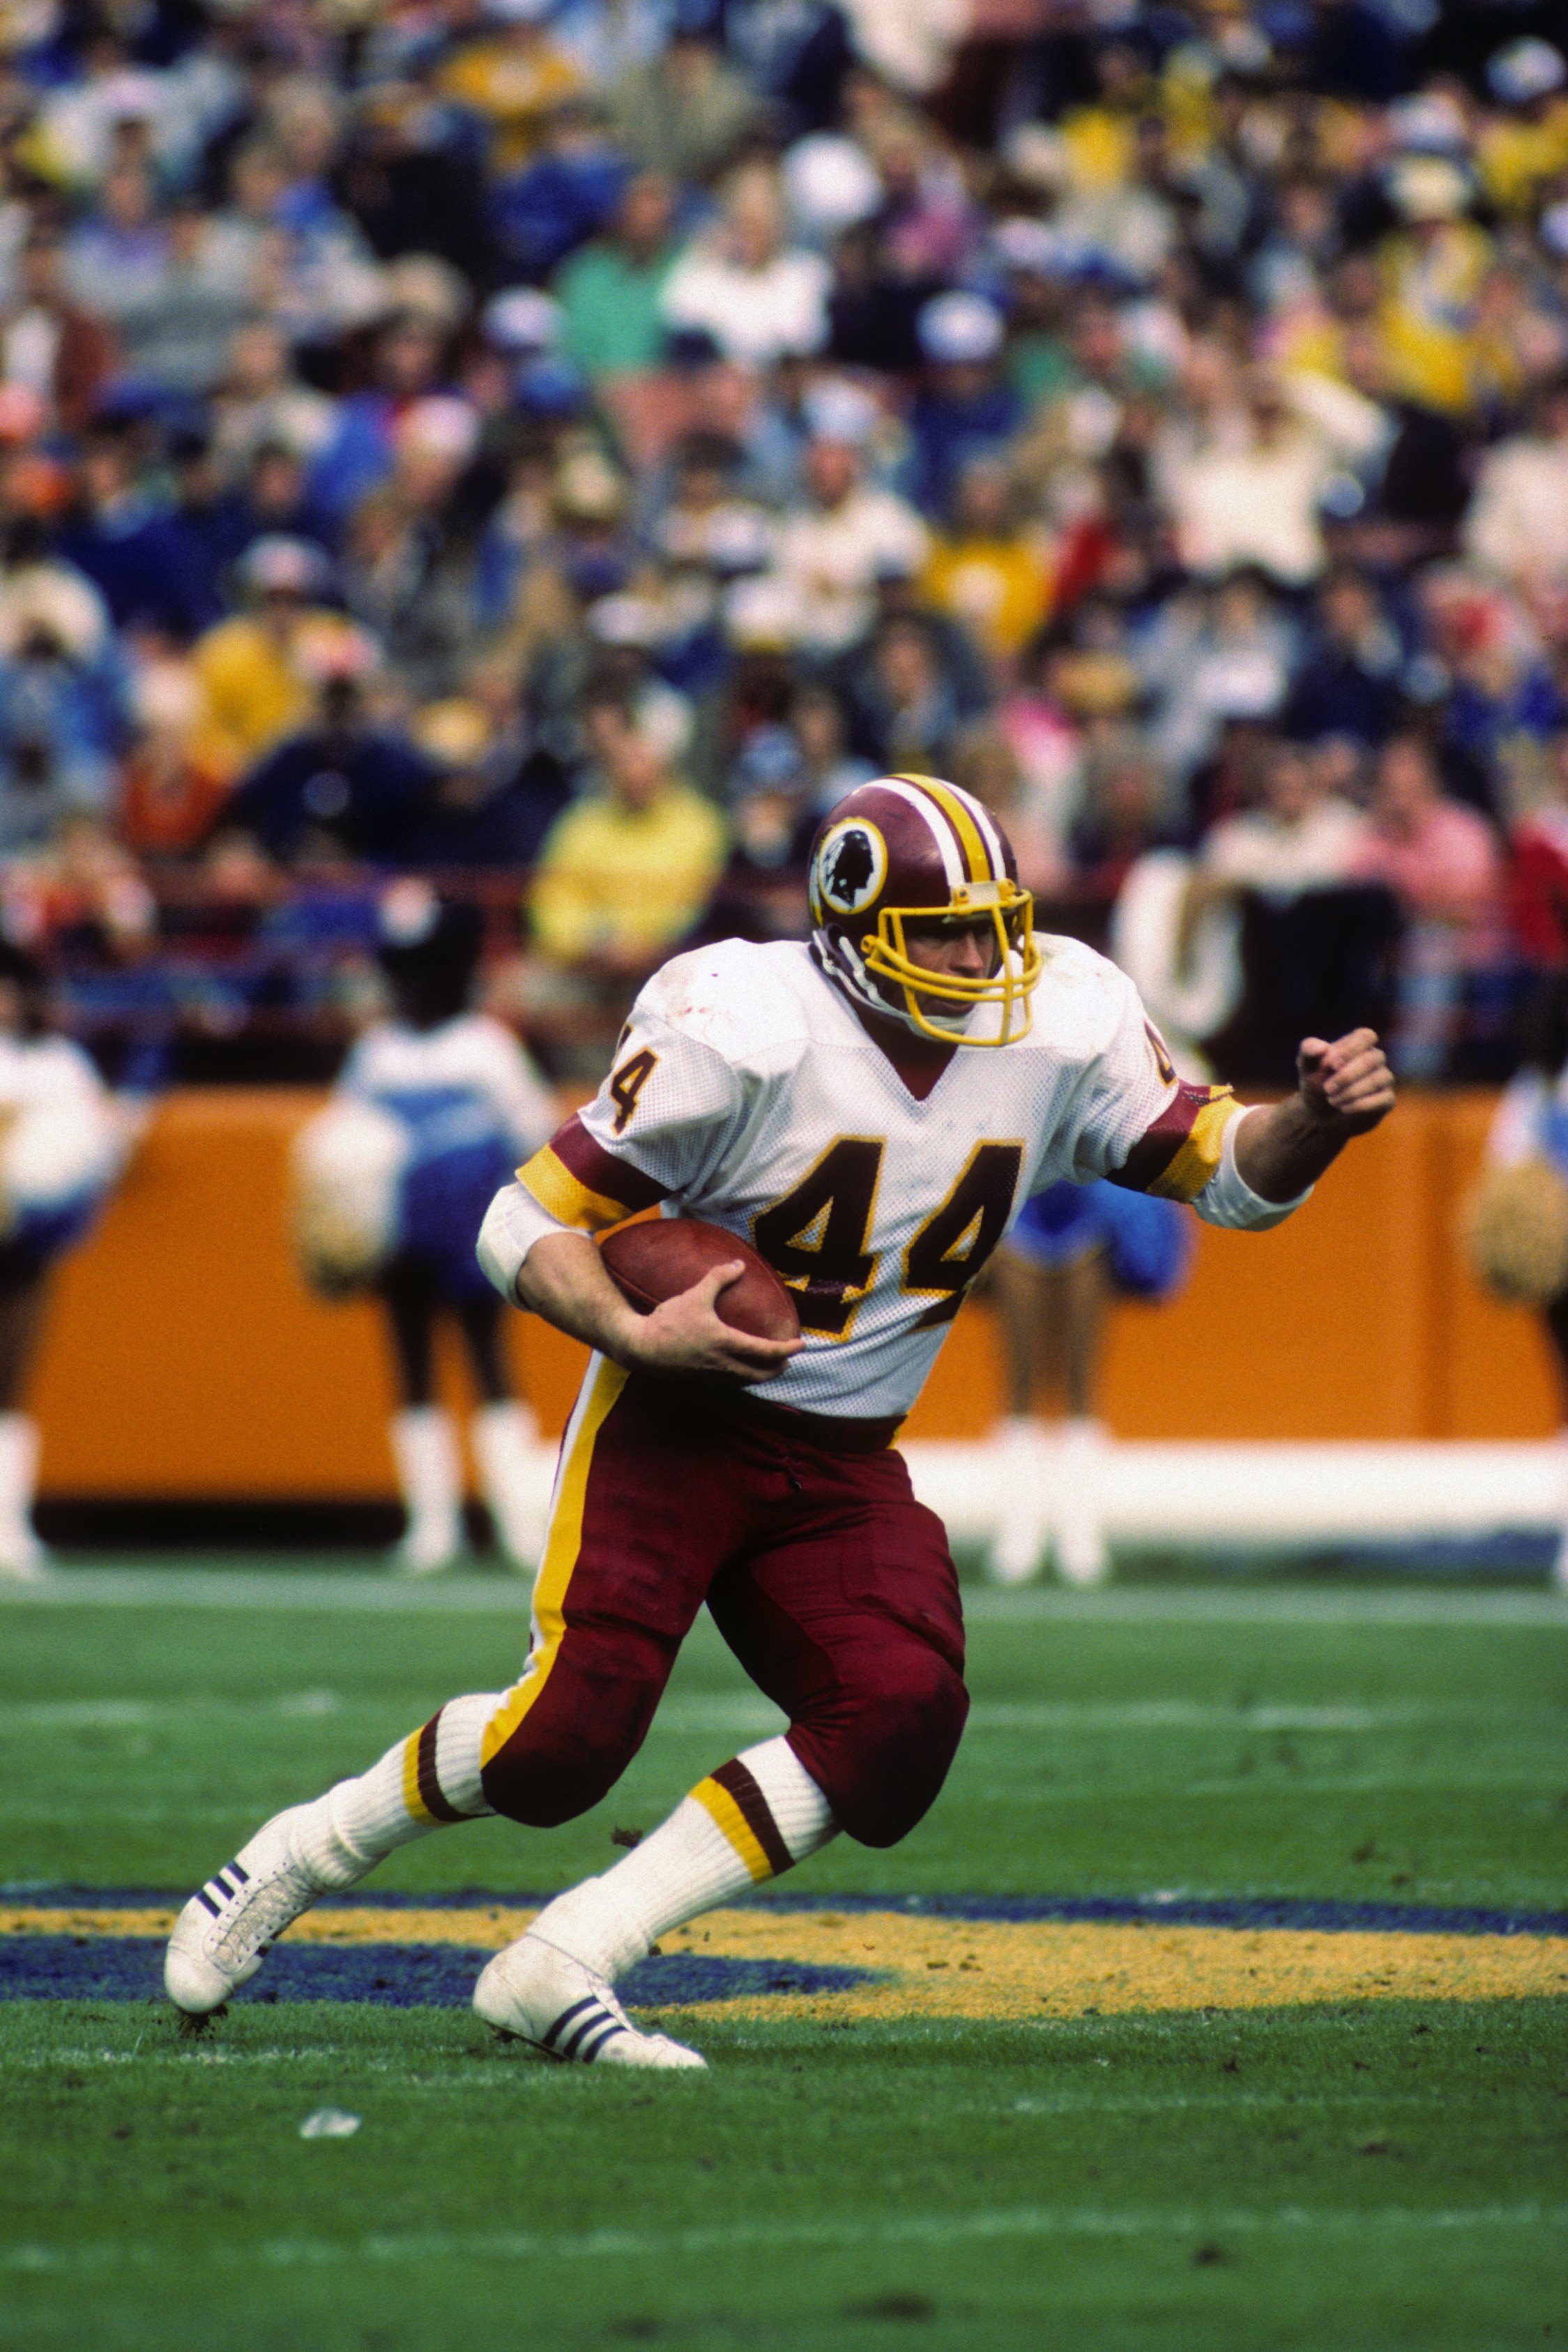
point(430, 1480)
point(503, 1436)
point(427, 1782)
point(19, 1546)
point(745, 1822)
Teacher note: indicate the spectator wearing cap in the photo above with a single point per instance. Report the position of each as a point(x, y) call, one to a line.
point(253, 676)
point(833, 549)
point(624, 873)
point(742, 286)
point(612, 292)
point(338, 789)
point(686, 111)
point(987, 570)
point(965, 408)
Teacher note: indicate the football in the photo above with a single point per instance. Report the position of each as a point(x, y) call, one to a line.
point(661, 1256)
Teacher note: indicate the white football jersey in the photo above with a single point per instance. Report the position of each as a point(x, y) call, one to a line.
point(746, 1092)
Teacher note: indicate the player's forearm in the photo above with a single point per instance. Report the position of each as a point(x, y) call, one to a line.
point(563, 1278)
point(1282, 1149)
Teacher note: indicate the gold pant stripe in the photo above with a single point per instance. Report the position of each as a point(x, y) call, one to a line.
point(411, 1795)
point(728, 1816)
point(555, 1188)
point(1199, 1154)
point(563, 1543)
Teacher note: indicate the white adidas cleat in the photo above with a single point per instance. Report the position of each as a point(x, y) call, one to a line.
point(228, 1926)
point(535, 1993)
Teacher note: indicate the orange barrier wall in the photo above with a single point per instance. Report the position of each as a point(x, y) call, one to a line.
point(183, 1357)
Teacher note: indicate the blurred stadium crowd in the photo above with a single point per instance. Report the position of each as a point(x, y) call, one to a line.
point(563, 444)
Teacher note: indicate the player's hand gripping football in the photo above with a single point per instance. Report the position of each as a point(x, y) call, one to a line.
point(1348, 1084)
point(685, 1334)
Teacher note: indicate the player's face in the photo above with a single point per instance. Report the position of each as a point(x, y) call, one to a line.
point(957, 950)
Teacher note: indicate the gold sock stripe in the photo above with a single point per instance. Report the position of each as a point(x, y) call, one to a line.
point(1199, 1154)
point(565, 1197)
point(563, 1543)
point(728, 1817)
point(418, 1810)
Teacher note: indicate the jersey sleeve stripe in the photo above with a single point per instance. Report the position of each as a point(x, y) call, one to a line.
point(1176, 1156)
point(582, 1184)
point(1197, 1158)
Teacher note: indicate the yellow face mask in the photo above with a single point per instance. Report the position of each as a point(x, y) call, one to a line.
point(1010, 910)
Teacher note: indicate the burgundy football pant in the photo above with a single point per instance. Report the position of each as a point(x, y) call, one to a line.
point(832, 1584)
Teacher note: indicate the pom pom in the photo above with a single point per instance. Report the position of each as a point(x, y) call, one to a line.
point(1515, 1230)
point(345, 1178)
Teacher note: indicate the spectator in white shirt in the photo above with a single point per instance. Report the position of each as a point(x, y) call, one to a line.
point(756, 298)
point(1303, 836)
point(1256, 499)
point(1517, 528)
point(831, 552)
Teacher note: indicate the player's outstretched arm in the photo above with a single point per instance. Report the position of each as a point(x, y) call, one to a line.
point(1343, 1089)
point(563, 1278)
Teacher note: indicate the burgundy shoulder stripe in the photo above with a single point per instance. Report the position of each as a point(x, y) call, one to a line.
point(1159, 1145)
point(600, 1170)
point(430, 1791)
point(736, 1781)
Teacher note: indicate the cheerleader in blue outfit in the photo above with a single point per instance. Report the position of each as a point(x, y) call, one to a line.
point(435, 1110)
point(1517, 1216)
point(1073, 1249)
point(63, 1139)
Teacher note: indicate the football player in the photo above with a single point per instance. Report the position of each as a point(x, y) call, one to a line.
point(870, 1110)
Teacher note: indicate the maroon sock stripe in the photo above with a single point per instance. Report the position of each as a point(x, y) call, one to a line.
point(430, 1795)
point(737, 1781)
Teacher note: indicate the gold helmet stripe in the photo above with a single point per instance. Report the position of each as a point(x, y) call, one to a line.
point(957, 815)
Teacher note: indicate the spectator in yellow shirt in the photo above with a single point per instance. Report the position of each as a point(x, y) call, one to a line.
point(515, 78)
point(254, 668)
point(624, 874)
point(987, 571)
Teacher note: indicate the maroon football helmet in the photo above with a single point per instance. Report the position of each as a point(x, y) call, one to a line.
point(914, 848)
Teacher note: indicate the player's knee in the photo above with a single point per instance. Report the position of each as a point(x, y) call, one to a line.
point(529, 1785)
point(884, 1769)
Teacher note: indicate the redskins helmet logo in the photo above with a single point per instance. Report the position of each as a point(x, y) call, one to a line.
point(851, 867)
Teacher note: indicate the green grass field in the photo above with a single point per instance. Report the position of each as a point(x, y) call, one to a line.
point(1380, 2171)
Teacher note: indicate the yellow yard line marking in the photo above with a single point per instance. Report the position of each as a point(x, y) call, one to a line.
point(982, 1969)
